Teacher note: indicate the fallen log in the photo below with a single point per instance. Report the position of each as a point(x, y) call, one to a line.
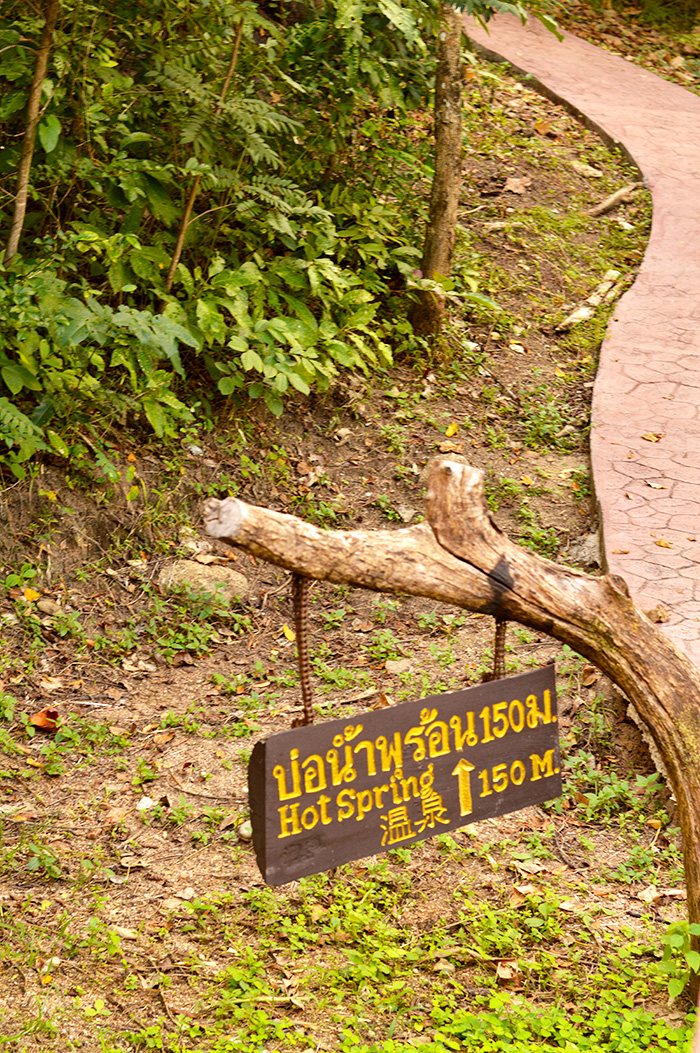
point(459, 556)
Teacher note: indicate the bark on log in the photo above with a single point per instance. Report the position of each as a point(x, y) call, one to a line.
point(459, 556)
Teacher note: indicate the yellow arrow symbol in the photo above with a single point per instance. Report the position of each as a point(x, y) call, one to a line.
point(462, 771)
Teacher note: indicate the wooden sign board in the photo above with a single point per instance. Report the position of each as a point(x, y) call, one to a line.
point(329, 793)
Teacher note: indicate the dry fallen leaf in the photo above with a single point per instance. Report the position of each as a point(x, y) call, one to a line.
point(517, 184)
point(507, 969)
point(31, 595)
point(589, 675)
point(653, 436)
point(451, 447)
point(656, 486)
point(451, 429)
point(359, 625)
point(51, 683)
point(181, 658)
point(114, 816)
point(46, 719)
point(663, 543)
point(650, 894)
point(289, 633)
point(382, 702)
point(527, 866)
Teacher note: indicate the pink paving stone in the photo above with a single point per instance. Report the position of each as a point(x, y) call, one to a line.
point(654, 337)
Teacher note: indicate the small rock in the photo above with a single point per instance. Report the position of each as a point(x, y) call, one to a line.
point(245, 831)
point(406, 512)
point(221, 582)
point(658, 614)
point(399, 665)
point(48, 606)
point(125, 933)
point(586, 170)
point(586, 550)
point(581, 314)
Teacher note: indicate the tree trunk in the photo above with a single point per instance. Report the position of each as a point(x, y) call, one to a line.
point(438, 249)
point(459, 556)
point(32, 120)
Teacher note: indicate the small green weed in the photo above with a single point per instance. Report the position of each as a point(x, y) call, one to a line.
point(384, 645)
point(43, 861)
point(387, 508)
point(679, 960)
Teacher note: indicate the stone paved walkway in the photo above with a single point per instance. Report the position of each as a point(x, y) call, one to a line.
point(648, 381)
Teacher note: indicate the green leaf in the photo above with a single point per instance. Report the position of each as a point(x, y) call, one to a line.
point(401, 17)
point(675, 987)
point(121, 277)
point(693, 960)
point(57, 443)
point(183, 275)
point(159, 200)
point(17, 377)
point(210, 321)
point(274, 404)
point(362, 316)
point(248, 274)
point(250, 359)
point(48, 131)
point(227, 385)
point(299, 383)
point(156, 416)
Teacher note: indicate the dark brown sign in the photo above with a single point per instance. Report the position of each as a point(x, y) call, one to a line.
point(329, 793)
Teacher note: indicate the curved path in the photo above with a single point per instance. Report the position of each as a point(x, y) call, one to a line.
point(648, 381)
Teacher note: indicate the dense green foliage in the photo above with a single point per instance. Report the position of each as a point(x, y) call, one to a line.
point(296, 237)
point(224, 201)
